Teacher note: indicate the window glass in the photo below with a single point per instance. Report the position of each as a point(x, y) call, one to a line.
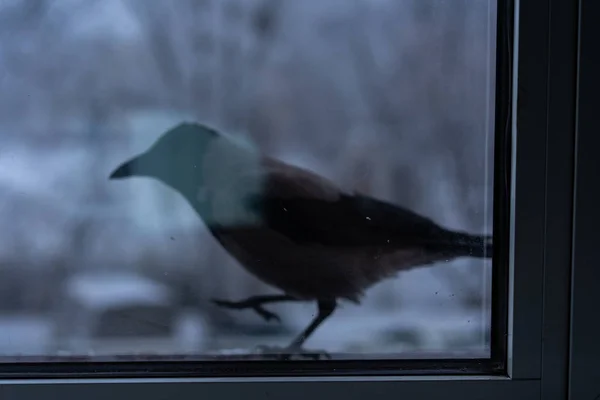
point(164, 161)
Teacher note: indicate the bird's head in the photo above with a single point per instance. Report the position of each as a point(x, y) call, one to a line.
point(175, 158)
point(205, 167)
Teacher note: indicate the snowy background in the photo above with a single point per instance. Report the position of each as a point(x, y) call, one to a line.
point(389, 97)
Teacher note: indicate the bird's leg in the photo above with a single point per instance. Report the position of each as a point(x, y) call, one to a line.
point(326, 308)
point(256, 303)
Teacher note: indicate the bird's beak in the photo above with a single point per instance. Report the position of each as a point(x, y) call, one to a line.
point(125, 170)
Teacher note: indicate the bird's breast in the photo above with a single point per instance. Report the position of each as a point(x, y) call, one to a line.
point(314, 271)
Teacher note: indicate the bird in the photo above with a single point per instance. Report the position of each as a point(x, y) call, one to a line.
point(292, 228)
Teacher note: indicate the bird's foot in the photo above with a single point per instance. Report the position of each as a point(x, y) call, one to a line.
point(256, 306)
point(288, 352)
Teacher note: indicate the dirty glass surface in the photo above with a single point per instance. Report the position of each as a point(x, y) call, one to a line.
point(390, 101)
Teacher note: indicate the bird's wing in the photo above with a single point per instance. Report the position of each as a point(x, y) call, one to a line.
point(307, 208)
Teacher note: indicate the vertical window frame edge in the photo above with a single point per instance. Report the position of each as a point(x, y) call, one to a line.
point(560, 152)
point(584, 349)
point(528, 189)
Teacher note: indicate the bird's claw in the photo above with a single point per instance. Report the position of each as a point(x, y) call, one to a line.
point(286, 353)
point(258, 308)
point(266, 314)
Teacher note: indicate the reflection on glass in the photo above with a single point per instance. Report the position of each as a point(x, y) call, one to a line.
point(234, 177)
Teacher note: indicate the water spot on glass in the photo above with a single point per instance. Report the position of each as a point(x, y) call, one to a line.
point(369, 218)
point(284, 209)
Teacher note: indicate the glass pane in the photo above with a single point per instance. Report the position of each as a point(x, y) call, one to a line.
point(164, 161)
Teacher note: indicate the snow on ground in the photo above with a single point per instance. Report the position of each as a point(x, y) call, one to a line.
point(414, 331)
point(24, 335)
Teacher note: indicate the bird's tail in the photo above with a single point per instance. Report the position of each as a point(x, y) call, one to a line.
point(469, 245)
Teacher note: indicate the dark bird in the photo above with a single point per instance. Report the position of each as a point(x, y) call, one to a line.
point(292, 228)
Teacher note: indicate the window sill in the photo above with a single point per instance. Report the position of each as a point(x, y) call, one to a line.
point(465, 387)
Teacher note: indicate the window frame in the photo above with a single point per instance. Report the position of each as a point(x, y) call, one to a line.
point(584, 347)
point(539, 259)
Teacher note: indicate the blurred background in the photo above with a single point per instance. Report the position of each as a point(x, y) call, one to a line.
point(394, 98)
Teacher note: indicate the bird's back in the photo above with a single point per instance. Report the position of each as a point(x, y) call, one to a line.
point(313, 241)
